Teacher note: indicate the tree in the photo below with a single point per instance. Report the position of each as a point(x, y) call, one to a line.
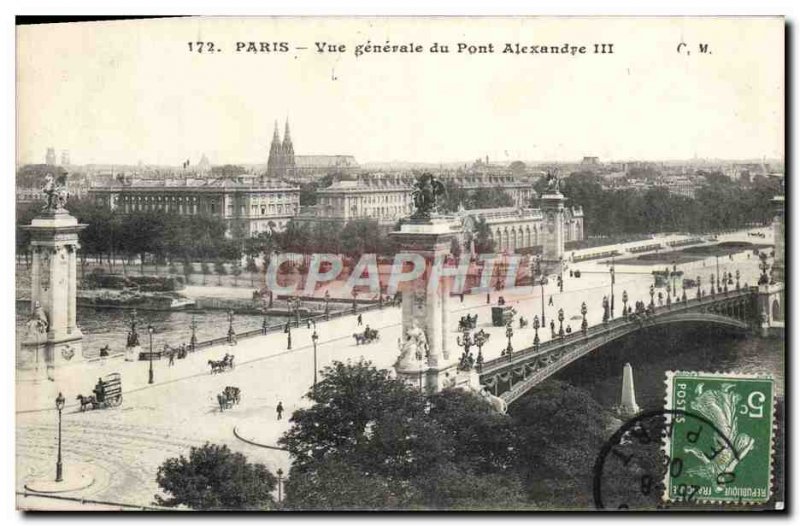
point(205, 270)
point(236, 270)
point(219, 267)
point(215, 478)
point(483, 237)
point(372, 441)
point(559, 430)
point(251, 267)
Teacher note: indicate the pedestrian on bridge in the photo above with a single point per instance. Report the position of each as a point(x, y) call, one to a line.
point(550, 303)
point(279, 410)
point(360, 321)
point(553, 328)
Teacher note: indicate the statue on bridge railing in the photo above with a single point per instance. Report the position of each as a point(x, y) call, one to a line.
point(56, 194)
point(553, 181)
point(426, 192)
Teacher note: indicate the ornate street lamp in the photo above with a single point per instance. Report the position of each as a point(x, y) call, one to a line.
point(652, 293)
point(231, 333)
point(611, 270)
point(625, 302)
point(509, 333)
point(314, 338)
point(737, 279)
point(536, 333)
point(59, 468)
point(480, 337)
point(193, 339)
point(466, 342)
point(280, 484)
point(133, 337)
point(150, 331)
point(584, 324)
point(561, 323)
point(674, 273)
point(541, 282)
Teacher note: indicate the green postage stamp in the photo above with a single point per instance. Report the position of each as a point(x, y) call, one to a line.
point(719, 440)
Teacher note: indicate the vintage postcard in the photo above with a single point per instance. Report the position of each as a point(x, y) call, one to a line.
point(442, 263)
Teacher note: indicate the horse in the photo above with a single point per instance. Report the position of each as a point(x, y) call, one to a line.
point(232, 393)
point(85, 401)
point(217, 366)
point(360, 338)
point(224, 402)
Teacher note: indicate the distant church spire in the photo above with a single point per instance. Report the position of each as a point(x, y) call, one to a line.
point(275, 161)
point(281, 154)
point(288, 151)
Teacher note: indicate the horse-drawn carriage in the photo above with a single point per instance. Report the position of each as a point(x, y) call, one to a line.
point(502, 315)
point(218, 366)
point(467, 322)
point(368, 336)
point(229, 396)
point(107, 393)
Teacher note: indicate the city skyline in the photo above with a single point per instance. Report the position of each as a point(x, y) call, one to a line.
point(142, 96)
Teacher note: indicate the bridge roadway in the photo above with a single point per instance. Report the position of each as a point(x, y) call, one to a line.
point(125, 445)
point(512, 376)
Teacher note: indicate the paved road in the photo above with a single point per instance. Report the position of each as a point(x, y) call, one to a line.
point(155, 422)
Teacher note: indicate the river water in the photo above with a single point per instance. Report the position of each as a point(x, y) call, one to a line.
point(110, 326)
point(654, 351)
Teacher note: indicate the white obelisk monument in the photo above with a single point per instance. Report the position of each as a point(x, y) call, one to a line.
point(627, 406)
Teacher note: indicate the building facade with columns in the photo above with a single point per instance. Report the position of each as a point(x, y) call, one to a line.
point(256, 204)
point(515, 229)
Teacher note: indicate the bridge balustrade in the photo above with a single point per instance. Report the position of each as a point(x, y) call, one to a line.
point(557, 353)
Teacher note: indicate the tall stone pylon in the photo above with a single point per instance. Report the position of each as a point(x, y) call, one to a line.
point(552, 205)
point(779, 233)
point(627, 406)
point(52, 337)
point(425, 343)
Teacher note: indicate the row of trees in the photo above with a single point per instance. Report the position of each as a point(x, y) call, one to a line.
point(173, 239)
point(373, 442)
point(167, 238)
point(719, 204)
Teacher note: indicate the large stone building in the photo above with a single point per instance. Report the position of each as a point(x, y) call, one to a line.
point(254, 204)
point(387, 200)
point(521, 192)
point(384, 200)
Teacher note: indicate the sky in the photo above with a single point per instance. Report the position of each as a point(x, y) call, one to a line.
point(128, 91)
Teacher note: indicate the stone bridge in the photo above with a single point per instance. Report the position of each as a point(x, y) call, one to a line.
point(510, 377)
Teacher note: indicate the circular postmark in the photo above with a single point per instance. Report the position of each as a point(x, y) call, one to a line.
point(637, 469)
